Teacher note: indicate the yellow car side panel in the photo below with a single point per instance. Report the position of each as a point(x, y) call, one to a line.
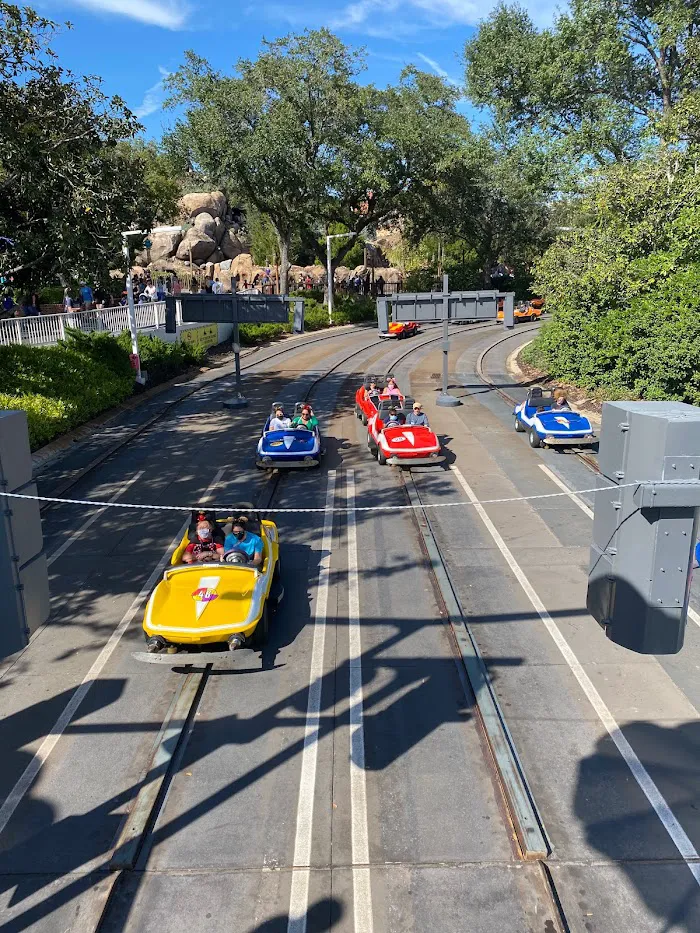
point(206, 603)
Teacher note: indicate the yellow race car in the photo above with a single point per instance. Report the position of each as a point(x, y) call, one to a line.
point(225, 599)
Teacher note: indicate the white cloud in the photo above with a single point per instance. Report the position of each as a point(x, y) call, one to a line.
point(431, 63)
point(153, 98)
point(409, 17)
point(170, 14)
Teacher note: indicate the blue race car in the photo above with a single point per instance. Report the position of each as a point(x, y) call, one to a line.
point(290, 447)
point(548, 426)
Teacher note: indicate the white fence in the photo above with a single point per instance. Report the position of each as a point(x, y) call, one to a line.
point(47, 329)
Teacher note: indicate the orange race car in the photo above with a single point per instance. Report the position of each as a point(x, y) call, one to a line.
point(400, 329)
point(524, 310)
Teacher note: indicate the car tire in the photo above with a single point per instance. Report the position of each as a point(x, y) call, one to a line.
point(262, 629)
point(518, 425)
point(363, 418)
point(276, 588)
point(381, 459)
point(534, 439)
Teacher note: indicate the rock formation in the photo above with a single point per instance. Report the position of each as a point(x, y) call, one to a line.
point(214, 243)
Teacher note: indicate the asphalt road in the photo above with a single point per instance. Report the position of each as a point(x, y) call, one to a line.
point(340, 780)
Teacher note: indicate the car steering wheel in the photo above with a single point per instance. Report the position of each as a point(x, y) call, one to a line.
point(236, 557)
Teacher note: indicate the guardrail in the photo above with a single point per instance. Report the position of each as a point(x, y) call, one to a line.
point(44, 330)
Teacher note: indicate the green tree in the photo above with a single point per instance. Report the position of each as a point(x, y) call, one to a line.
point(271, 132)
point(67, 189)
point(605, 74)
point(296, 136)
point(390, 166)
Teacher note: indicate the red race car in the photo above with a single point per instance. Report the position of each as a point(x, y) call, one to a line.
point(400, 329)
point(367, 398)
point(401, 444)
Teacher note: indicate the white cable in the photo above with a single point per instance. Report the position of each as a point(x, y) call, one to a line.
point(97, 503)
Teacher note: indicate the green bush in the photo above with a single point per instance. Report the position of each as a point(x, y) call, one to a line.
point(47, 417)
point(161, 360)
point(51, 295)
point(625, 287)
point(102, 348)
point(253, 334)
point(59, 387)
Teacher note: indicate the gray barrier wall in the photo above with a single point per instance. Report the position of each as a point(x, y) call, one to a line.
point(24, 578)
point(430, 306)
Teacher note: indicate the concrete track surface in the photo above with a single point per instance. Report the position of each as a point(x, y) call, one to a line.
point(342, 778)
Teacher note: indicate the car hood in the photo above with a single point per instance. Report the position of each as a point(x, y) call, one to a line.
point(564, 421)
point(410, 437)
point(289, 441)
point(204, 597)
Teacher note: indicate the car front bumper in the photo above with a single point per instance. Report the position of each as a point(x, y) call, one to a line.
point(552, 441)
point(415, 461)
point(288, 464)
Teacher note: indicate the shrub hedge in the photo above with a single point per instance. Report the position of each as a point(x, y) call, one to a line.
point(64, 386)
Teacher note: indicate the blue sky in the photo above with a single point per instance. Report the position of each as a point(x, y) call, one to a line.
point(133, 44)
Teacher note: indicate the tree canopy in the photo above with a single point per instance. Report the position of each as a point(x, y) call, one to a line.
point(604, 76)
point(68, 185)
point(299, 138)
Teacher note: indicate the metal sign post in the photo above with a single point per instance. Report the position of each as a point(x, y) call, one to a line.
point(444, 399)
point(233, 309)
point(238, 400)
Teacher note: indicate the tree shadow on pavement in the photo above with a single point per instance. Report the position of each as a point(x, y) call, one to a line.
point(320, 917)
point(622, 825)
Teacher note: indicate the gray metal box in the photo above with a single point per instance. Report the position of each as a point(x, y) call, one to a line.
point(15, 455)
point(24, 580)
point(644, 536)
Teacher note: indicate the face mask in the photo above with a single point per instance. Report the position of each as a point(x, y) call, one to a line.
point(239, 534)
point(204, 534)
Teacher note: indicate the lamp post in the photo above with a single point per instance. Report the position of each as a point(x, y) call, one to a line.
point(140, 378)
point(329, 263)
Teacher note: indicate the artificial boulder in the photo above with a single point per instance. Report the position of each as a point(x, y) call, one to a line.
point(205, 223)
point(231, 245)
point(165, 244)
point(219, 229)
point(211, 202)
point(215, 257)
point(200, 244)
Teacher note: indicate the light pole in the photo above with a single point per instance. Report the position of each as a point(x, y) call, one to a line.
point(130, 293)
point(329, 263)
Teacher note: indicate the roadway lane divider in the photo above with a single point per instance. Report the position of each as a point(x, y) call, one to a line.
point(658, 802)
point(361, 880)
point(40, 757)
point(301, 864)
point(394, 507)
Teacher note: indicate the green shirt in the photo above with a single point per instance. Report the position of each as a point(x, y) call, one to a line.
point(310, 424)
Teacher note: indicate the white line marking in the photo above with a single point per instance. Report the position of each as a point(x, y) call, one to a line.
point(574, 498)
point(589, 512)
point(639, 772)
point(41, 755)
point(299, 897)
point(93, 518)
point(361, 881)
